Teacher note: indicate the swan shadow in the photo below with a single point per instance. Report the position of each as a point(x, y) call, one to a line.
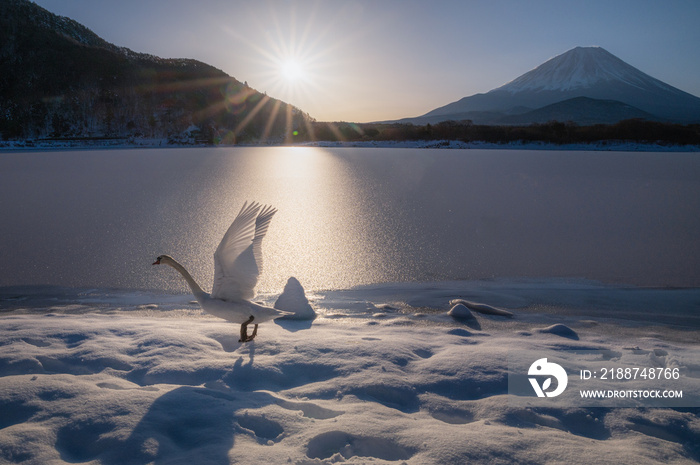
point(188, 424)
point(238, 365)
point(243, 375)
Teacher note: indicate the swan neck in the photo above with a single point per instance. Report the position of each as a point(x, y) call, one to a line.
point(196, 290)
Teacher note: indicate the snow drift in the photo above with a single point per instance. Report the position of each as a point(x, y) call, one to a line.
point(382, 375)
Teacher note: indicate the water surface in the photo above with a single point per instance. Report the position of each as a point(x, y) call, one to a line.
point(350, 216)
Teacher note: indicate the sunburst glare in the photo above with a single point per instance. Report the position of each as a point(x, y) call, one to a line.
point(300, 55)
point(291, 70)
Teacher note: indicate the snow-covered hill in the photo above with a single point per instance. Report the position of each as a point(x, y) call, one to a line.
point(590, 72)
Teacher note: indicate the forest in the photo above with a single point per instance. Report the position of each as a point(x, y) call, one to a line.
point(555, 132)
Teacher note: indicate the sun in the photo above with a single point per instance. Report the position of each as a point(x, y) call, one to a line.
point(291, 70)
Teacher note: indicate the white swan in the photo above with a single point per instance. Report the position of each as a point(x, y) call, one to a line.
point(237, 265)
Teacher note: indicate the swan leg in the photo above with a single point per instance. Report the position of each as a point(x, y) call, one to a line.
point(244, 330)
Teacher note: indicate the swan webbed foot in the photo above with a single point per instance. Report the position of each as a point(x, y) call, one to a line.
point(244, 330)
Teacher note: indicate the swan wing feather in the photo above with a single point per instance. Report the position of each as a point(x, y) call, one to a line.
point(238, 259)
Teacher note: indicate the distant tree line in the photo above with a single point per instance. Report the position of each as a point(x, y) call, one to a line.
point(632, 130)
point(59, 80)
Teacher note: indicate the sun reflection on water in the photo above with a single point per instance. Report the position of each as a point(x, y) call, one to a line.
point(323, 233)
point(320, 234)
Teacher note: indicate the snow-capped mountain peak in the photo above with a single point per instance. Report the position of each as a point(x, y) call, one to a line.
point(581, 68)
point(622, 91)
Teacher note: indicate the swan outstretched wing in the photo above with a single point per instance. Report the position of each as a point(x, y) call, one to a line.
point(238, 259)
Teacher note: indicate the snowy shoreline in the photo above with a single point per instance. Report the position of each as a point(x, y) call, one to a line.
point(382, 375)
point(617, 146)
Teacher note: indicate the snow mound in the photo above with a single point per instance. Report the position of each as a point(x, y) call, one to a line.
point(560, 330)
point(460, 312)
point(293, 299)
point(482, 308)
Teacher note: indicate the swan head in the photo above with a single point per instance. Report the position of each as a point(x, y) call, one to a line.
point(163, 260)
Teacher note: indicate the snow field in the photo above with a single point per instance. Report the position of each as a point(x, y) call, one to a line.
point(176, 387)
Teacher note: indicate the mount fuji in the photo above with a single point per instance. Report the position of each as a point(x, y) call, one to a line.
point(565, 85)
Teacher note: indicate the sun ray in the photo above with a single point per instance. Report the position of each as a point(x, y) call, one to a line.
point(310, 131)
point(271, 120)
point(289, 124)
point(300, 58)
point(249, 117)
point(291, 54)
point(336, 132)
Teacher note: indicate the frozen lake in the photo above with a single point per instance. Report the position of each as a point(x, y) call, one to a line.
point(350, 216)
point(105, 366)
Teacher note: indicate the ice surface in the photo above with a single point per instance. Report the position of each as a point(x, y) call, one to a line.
point(382, 375)
point(356, 216)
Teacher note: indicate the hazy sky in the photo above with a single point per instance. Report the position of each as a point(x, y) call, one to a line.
point(369, 60)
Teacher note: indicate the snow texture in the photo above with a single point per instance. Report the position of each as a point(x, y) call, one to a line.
point(582, 67)
point(382, 375)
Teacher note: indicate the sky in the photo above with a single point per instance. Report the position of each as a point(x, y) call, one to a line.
point(375, 60)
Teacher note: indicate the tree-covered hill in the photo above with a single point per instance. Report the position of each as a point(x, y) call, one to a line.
point(60, 80)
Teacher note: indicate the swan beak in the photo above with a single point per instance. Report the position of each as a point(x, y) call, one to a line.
point(157, 262)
